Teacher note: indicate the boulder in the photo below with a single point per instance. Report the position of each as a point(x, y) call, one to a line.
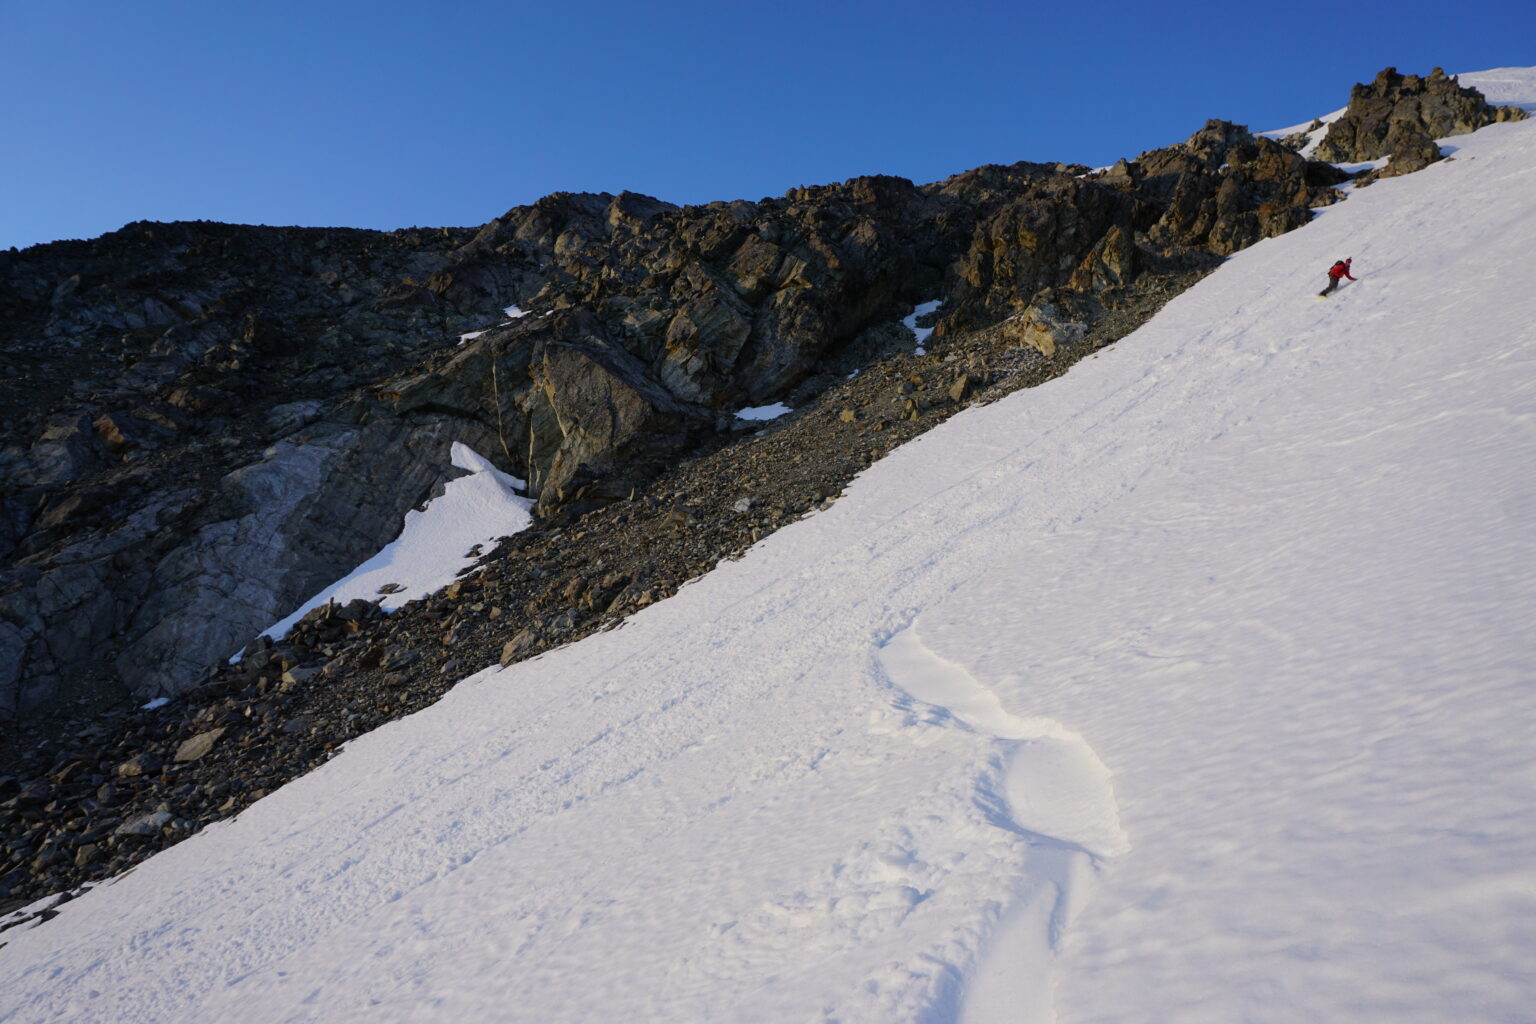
point(140, 764)
point(1043, 327)
point(1411, 149)
point(197, 746)
point(145, 826)
point(590, 408)
point(300, 674)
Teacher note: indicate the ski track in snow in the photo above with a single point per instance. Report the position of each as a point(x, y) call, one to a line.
point(1046, 784)
point(1187, 686)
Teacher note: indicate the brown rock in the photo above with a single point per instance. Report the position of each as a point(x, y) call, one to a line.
point(1398, 112)
point(198, 745)
point(142, 764)
point(519, 643)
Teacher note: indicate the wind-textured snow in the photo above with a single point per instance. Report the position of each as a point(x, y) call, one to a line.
point(435, 541)
point(1194, 685)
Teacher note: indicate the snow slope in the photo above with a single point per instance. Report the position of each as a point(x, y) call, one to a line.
point(1191, 686)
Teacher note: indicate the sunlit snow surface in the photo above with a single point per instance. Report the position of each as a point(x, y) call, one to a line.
point(435, 542)
point(1193, 685)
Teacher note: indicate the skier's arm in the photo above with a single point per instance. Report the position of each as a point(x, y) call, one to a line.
point(1348, 274)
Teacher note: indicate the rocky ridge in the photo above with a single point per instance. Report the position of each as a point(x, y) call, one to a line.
point(231, 447)
point(648, 324)
point(1400, 117)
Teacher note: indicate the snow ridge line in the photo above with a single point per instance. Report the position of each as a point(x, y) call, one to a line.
point(1054, 792)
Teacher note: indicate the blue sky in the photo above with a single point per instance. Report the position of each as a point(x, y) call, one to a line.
point(392, 114)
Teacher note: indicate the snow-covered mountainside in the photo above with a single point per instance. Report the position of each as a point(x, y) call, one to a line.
point(1190, 686)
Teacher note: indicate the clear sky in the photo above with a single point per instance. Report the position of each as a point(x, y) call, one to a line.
point(388, 114)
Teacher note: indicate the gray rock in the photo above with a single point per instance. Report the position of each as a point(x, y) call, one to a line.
point(1411, 151)
point(47, 859)
point(301, 674)
point(399, 657)
point(120, 430)
point(524, 640)
point(315, 508)
point(1043, 327)
point(357, 610)
point(65, 451)
point(145, 825)
point(285, 419)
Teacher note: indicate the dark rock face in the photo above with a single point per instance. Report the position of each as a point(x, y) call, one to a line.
point(723, 305)
point(569, 405)
point(1225, 189)
point(205, 424)
point(173, 492)
point(1401, 115)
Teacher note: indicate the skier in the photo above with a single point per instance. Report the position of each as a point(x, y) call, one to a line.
point(1336, 273)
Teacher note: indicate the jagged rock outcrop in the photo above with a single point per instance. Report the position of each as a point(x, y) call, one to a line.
point(214, 422)
point(1401, 116)
point(725, 303)
point(569, 405)
point(1225, 188)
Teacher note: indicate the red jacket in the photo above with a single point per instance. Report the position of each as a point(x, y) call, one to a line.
point(1340, 269)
